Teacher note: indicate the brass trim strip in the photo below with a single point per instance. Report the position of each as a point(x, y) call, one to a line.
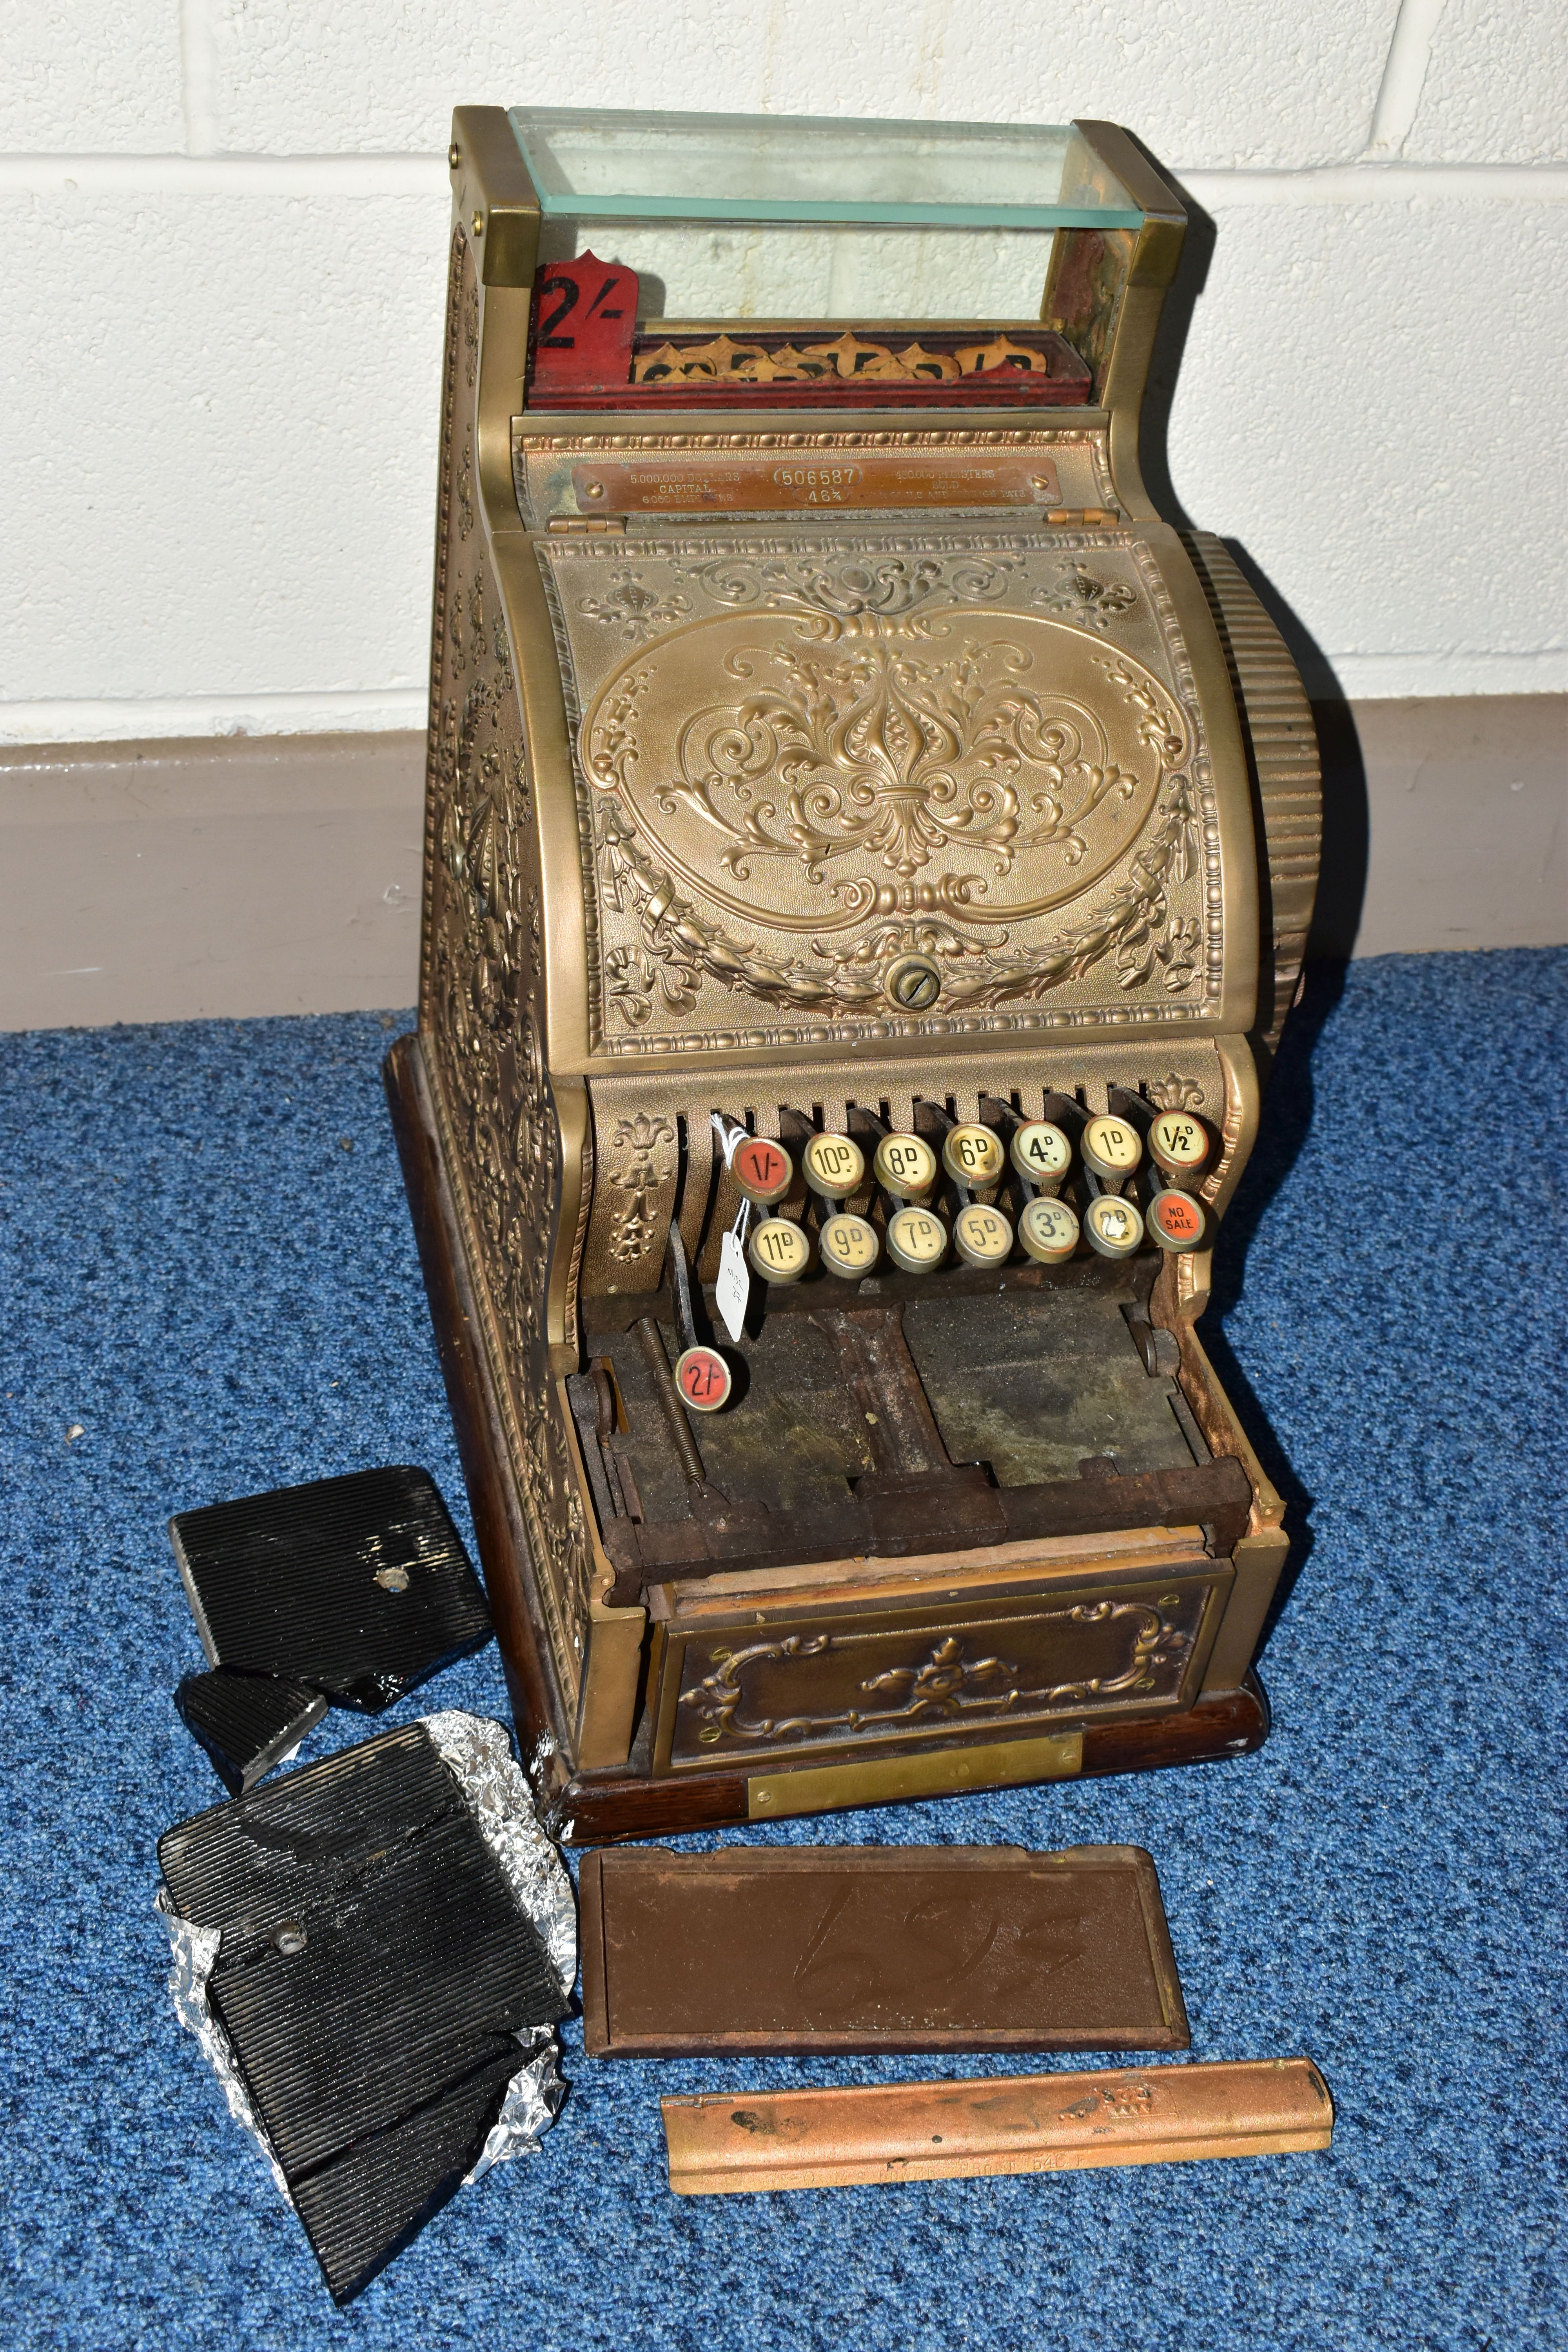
point(829, 1788)
point(1027, 2123)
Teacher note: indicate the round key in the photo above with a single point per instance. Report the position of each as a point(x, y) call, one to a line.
point(1113, 1148)
point(1114, 1227)
point(703, 1379)
point(982, 1236)
point(971, 1156)
point(1048, 1231)
point(905, 1167)
point(1175, 1220)
point(847, 1246)
point(763, 1170)
point(1177, 1143)
point(1041, 1154)
point(834, 1166)
point(779, 1251)
point(916, 1240)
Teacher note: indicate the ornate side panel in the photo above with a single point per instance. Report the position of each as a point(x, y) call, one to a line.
point(861, 785)
point(481, 991)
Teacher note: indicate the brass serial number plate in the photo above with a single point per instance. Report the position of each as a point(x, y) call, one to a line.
point(1021, 479)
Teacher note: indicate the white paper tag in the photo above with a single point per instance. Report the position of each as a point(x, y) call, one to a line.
point(732, 1290)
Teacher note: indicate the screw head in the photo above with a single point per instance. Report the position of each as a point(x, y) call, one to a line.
point(478, 224)
point(289, 1937)
point(454, 156)
point(913, 983)
point(393, 1579)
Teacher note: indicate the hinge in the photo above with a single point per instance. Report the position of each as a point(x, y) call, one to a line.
point(583, 524)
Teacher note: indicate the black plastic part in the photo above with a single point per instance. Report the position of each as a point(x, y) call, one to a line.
point(374, 1973)
point(246, 1723)
point(358, 1587)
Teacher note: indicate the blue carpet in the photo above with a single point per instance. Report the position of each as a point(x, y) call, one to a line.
point(207, 1265)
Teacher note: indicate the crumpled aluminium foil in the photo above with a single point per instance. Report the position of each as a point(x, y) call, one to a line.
point(192, 1952)
point(479, 1753)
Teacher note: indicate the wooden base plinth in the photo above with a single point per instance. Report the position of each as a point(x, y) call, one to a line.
point(601, 1808)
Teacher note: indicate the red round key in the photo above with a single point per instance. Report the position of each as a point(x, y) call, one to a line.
point(1175, 1220)
point(763, 1170)
point(703, 1379)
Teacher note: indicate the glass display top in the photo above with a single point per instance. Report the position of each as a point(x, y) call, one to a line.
point(590, 165)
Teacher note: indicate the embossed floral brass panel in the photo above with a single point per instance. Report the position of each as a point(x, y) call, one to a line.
point(761, 1690)
point(802, 763)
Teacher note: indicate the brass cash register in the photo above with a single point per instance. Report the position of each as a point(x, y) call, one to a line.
point(868, 858)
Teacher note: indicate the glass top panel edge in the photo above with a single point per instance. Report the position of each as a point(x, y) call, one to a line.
point(588, 165)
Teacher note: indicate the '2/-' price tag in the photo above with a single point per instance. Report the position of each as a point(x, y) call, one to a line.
point(733, 1291)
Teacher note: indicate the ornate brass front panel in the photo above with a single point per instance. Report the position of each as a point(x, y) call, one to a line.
point(1077, 1654)
point(805, 758)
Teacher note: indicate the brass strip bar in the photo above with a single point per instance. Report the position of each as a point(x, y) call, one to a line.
point(1022, 2123)
point(888, 1780)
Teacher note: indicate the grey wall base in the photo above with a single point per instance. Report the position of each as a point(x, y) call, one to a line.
point(169, 881)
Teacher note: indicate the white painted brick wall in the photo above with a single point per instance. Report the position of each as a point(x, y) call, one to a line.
point(223, 228)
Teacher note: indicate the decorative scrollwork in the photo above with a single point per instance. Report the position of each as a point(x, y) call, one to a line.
point(1175, 1093)
point(886, 758)
point(979, 972)
point(835, 596)
point(634, 1226)
point(945, 1684)
point(634, 610)
point(847, 358)
point(1081, 597)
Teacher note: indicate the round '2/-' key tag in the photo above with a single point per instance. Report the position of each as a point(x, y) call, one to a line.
point(703, 1379)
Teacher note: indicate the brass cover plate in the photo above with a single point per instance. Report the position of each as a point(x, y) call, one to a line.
point(819, 482)
point(800, 758)
point(901, 1780)
point(855, 1948)
point(1023, 2123)
point(685, 474)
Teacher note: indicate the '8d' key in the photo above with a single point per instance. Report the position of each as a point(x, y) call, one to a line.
point(904, 1167)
